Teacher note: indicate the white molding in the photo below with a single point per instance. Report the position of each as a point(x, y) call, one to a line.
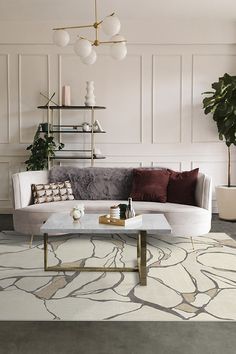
point(6, 55)
point(154, 56)
point(9, 178)
point(20, 83)
point(195, 55)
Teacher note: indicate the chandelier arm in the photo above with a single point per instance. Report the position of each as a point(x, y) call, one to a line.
point(96, 21)
point(72, 27)
point(123, 41)
point(100, 22)
point(90, 40)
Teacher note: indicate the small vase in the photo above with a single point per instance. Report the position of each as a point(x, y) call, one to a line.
point(77, 212)
point(89, 98)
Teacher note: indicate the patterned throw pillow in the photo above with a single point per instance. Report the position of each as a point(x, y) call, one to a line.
point(52, 192)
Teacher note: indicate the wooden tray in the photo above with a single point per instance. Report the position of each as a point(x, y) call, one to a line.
point(106, 219)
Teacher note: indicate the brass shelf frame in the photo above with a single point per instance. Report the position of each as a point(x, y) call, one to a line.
point(50, 109)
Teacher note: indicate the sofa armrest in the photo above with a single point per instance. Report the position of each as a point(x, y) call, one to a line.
point(203, 192)
point(22, 186)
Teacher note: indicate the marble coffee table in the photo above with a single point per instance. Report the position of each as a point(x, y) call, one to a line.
point(62, 223)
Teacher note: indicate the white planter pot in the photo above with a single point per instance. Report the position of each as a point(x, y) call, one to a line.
point(226, 202)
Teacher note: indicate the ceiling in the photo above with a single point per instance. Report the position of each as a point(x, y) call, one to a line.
point(147, 10)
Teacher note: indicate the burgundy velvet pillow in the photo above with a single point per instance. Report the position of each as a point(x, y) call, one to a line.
point(181, 187)
point(150, 185)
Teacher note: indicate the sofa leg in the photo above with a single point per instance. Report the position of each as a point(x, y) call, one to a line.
point(31, 241)
point(192, 243)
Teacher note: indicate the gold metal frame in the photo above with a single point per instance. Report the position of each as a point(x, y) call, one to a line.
point(94, 25)
point(141, 261)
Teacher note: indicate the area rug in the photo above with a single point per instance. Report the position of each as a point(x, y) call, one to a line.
point(183, 283)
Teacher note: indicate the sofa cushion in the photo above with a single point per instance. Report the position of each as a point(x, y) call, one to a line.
point(95, 183)
point(52, 192)
point(150, 185)
point(182, 186)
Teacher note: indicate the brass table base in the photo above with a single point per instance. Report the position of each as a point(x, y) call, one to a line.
point(141, 261)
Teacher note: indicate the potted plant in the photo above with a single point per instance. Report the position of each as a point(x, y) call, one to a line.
point(42, 149)
point(222, 104)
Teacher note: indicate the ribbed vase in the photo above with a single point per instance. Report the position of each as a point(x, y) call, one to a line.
point(89, 98)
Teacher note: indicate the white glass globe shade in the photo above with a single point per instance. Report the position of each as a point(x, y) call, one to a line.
point(118, 51)
point(111, 25)
point(61, 38)
point(118, 37)
point(89, 60)
point(83, 48)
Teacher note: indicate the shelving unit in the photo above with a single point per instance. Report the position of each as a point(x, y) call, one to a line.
point(73, 129)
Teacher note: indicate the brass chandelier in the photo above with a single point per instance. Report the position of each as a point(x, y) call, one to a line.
point(85, 48)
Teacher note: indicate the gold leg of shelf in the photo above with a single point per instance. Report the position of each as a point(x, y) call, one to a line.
point(92, 139)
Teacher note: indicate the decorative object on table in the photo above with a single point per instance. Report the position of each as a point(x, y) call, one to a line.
point(97, 126)
point(114, 212)
point(222, 104)
point(49, 99)
point(106, 219)
point(123, 208)
point(85, 48)
point(86, 127)
point(130, 213)
point(77, 212)
point(42, 149)
point(66, 99)
point(52, 192)
point(89, 98)
point(97, 152)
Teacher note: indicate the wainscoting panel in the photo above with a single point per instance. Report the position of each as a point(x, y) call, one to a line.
point(4, 181)
point(33, 79)
point(166, 89)
point(206, 70)
point(4, 99)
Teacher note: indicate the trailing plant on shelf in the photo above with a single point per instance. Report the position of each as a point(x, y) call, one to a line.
point(42, 149)
point(222, 103)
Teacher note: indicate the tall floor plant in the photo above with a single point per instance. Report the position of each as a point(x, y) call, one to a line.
point(221, 103)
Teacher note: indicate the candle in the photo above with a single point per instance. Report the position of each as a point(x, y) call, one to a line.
point(66, 95)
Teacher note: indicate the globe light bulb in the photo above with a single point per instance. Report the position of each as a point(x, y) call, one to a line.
point(89, 60)
point(61, 38)
point(117, 37)
point(83, 47)
point(111, 25)
point(118, 50)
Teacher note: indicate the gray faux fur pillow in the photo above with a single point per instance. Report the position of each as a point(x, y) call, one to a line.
point(96, 183)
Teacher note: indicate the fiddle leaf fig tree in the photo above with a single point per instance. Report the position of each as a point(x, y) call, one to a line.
point(42, 149)
point(221, 103)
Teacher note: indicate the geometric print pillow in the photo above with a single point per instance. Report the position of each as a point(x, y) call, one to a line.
point(52, 192)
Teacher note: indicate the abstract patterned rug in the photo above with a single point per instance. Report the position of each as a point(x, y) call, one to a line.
point(183, 284)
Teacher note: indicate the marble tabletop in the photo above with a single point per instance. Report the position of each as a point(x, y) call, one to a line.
point(63, 223)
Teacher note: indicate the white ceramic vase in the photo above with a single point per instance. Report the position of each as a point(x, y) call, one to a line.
point(89, 98)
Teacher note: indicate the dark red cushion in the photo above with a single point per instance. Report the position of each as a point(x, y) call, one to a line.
point(181, 187)
point(150, 185)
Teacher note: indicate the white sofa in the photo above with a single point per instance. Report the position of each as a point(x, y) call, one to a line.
point(185, 220)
